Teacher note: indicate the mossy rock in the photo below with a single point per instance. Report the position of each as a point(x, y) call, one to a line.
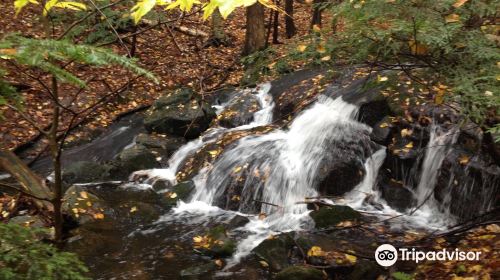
point(275, 251)
point(198, 271)
point(332, 215)
point(181, 191)
point(300, 273)
point(223, 245)
point(179, 113)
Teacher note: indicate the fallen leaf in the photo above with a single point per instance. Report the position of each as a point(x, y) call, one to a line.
point(463, 160)
point(316, 251)
point(409, 145)
point(452, 18)
point(133, 209)
point(351, 258)
point(459, 3)
point(264, 264)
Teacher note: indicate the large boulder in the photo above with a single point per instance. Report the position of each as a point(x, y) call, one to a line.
point(239, 111)
point(164, 145)
point(86, 171)
point(133, 159)
point(275, 250)
point(180, 113)
point(83, 206)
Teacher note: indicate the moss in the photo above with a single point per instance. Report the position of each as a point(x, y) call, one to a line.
point(300, 273)
point(330, 216)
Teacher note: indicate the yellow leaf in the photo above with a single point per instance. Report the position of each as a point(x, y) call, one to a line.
point(301, 48)
point(237, 169)
point(141, 9)
point(315, 251)
point(463, 160)
point(20, 4)
point(84, 194)
point(99, 216)
point(197, 239)
point(409, 145)
point(459, 3)
point(382, 78)
point(213, 152)
point(384, 125)
point(172, 195)
point(71, 6)
point(264, 264)
point(316, 28)
point(417, 48)
point(406, 132)
point(321, 49)
point(351, 258)
point(8, 51)
point(133, 209)
point(219, 262)
point(326, 58)
point(452, 18)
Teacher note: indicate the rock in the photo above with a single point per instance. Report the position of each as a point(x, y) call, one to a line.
point(28, 221)
point(274, 251)
point(198, 272)
point(381, 131)
point(374, 112)
point(240, 111)
point(82, 205)
point(165, 145)
point(470, 188)
point(161, 185)
point(237, 221)
point(133, 159)
point(181, 191)
point(220, 245)
point(397, 196)
point(300, 273)
point(332, 215)
point(86, 172)
point(179, 113)
point(366, 270)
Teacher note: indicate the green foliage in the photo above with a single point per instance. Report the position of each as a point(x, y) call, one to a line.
point(454, 42)
point(23, 256)
point(401, 276)
point(446, 44)
point(48, 54)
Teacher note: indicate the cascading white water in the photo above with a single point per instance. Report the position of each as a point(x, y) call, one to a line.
point(261, 117)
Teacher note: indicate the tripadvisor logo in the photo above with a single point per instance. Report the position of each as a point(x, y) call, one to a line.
point(387, 255)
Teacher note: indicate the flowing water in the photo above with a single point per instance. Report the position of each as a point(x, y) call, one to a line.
point(277, 171)
point(273, 174)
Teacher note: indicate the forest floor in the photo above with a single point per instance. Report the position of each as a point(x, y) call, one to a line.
point(177, 59)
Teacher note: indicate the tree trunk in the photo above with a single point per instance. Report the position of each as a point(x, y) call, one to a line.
point(55, 153)
point(218, 36)
point(290, 28)
point(255, 37)
point(316, 17)
point(276, 24)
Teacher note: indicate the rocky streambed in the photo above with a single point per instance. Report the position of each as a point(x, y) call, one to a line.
point(300, 178)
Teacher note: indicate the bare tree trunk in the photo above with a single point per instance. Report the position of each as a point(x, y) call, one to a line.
point(276, 24)
point(218, 36)
point(255, 37)
point(290, 28)
point(55, 153)
point(316, 16)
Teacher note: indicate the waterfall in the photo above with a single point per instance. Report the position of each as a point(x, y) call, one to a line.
point(280, 168)
point(261, 117)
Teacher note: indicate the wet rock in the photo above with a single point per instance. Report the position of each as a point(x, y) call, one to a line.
point(332, 215)
point(135, 158)
point(161, 185)
point(342, 176)
point(179, 113)
point(198, 272)
point(240, 111)
point(274, 251)
point(219, 244)
point(86, 172)
point(291, 92)
point(237, 221)
point(381, 131)
point(468, 184)
point(397, 196)
point(375, 111)
point(82, 205)
point(181, 191)
point(300, 273)
point(165, 145)
point(366, 270)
